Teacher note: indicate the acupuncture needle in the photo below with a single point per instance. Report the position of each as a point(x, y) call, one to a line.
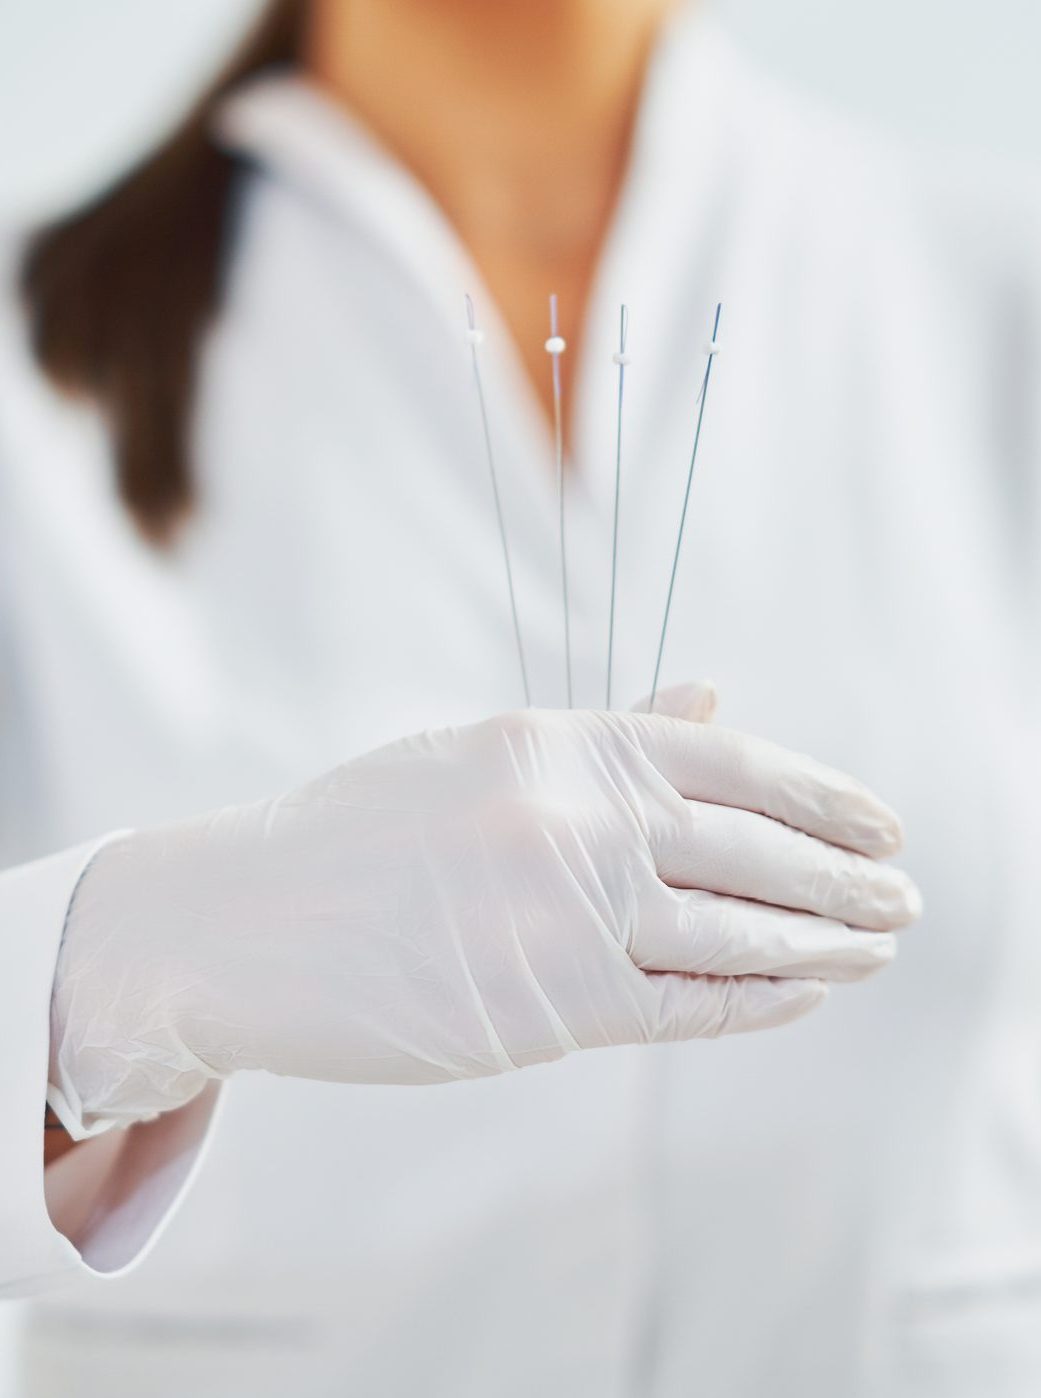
point(475, 338)
point(555, 347)
point(621, 358)
point(711, 350)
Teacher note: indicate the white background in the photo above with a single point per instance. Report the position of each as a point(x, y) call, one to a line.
point(86, 85)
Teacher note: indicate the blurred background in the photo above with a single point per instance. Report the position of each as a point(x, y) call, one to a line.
point(953, 73)
point(87, 88)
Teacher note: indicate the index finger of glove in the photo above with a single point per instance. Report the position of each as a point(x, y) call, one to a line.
point(727, 768)
point(743, 855)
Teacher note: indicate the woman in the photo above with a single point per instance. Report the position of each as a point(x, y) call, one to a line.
point(327, 579)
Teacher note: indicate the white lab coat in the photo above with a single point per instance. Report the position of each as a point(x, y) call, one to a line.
point(851, 1206)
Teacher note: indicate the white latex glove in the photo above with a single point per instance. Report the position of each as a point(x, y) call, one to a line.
point(468, 901)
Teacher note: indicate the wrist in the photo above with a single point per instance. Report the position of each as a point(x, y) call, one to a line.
point(56, 1140)
point(117, 1055)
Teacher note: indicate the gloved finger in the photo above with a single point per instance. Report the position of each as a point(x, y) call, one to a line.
point(728, 768)
point(724, 850)
point(704, 1007)
point(696, 702)
point(709, 934)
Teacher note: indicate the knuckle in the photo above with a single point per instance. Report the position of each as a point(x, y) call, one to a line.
point(719, 933)
point(729, 993)
point(516, 725)
point(519, 749)
point(523, 734)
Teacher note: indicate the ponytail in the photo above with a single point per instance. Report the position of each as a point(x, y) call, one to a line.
point(119, 294)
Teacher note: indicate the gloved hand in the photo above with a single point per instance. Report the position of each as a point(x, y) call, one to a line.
point(472, 900)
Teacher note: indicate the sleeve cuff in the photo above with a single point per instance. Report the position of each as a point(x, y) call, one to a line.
point(62, 1100)
point(111, 1196)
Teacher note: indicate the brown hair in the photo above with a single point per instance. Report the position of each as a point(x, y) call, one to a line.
point(119, 294)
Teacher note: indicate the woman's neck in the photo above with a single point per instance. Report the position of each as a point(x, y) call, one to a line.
point(517, 115)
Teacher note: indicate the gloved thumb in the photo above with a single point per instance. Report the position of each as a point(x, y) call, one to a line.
point(695, 701)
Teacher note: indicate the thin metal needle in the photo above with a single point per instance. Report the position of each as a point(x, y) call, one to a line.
point(621, 359)
point(702, 396)
point(555, 347)
point(475, 337)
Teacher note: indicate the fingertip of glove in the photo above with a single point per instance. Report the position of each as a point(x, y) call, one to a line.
point(883, 947)
point(802, 996)
point(810, 992)
point(788, 1000)
point(885, 837)
point(864, 823)
point(871, 952)
point(906, 904)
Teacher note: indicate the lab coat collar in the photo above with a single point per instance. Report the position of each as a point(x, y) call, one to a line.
point(288, 124)
point(291, 128)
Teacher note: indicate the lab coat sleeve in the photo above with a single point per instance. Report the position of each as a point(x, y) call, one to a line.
point(100, 1206)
